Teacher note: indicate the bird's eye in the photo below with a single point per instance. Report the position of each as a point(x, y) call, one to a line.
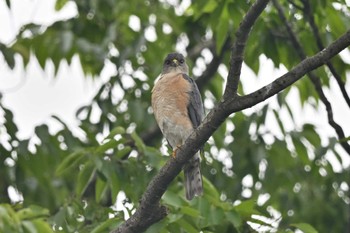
point(167, 62)
point(182, 61)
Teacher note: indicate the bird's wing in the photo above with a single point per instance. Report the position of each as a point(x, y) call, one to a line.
point(195, 105)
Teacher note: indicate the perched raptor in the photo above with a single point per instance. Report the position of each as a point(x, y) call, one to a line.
point(178, 109)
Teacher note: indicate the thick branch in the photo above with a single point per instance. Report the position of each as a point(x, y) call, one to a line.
point(239, 46)
point(314, 79)
point(304, 67)
point(150, 210)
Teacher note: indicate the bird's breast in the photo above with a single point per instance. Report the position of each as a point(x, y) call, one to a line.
point(170, 98)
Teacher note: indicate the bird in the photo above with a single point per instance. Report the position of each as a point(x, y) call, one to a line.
point(178, 110)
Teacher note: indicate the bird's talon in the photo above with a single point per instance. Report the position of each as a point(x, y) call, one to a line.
point(174, 152)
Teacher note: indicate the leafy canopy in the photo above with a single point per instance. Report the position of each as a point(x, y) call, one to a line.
point(254, 178)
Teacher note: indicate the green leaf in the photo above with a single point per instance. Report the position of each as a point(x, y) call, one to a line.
point(217, 215)
point(28, 227)
point(111, 144)
point(71, 161)
point(172, 199)
point(311, 135)
point(234, 218)
point(278, 119)
point(9, 55)
point(117, 130)
point(246, 208)
point(187, 226)
point(300, 149)
point(138, 141)
point(113, 180)
point(84, 177)
point(108, 225)
point(8, 3)
point(42, 226)
point(32, 212)
point(123, 152)
point(100, 189)
point(189, 211)
point(60, 4)
point(305, 227)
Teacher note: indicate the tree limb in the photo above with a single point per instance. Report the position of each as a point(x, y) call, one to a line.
point(314, 79)
point(150, 210)
point(310, 18)
point(239, 45)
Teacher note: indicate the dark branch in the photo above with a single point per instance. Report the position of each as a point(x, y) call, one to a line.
point(295, 5)
point(310, 18)
point(239, 45)
point(314, 79)
point(304, 67)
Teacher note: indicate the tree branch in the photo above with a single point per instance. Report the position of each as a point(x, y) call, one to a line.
point(239, 45)
point(309, 16)
point(242, 102)
point(150, 210)
point(314, 79)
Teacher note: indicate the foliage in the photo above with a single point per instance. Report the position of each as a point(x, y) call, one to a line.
point(254, 178)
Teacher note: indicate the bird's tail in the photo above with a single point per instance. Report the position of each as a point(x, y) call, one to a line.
point(193, 177)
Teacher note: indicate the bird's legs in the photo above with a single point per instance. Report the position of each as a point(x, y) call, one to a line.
point(174, 151)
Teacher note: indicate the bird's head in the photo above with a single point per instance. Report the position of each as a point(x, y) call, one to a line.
point(175, 62)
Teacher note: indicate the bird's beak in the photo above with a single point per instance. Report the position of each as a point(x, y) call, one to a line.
point(176, 62)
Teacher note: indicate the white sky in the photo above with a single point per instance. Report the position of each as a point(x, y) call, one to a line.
point(34, 95)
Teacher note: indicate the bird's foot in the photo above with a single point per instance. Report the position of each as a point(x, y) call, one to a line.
point(174, 151)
